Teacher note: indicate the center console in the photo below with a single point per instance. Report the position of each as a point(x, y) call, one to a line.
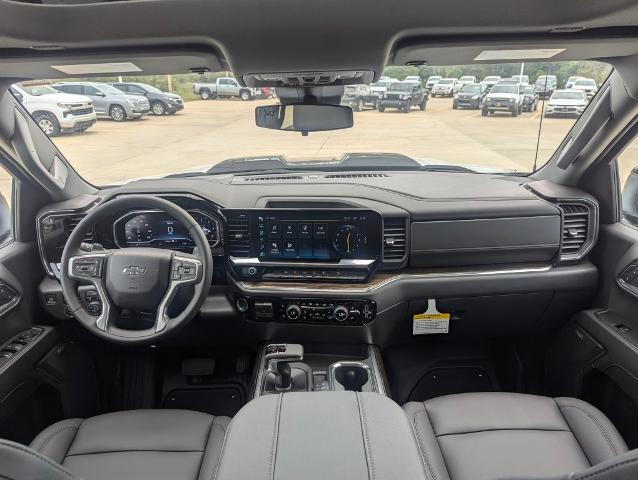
point(309, 245)
point(287, 367)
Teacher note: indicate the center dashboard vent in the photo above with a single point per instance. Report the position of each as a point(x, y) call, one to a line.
point(394, 239)
point(356, 175)
point(576, 235)
point(271, 178)
point(238, 236)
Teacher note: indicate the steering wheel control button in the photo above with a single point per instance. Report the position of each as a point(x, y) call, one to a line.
point(87, 267)
point(94, 308)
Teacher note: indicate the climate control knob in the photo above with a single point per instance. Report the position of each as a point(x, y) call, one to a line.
point(340, 313)
point(293, 312)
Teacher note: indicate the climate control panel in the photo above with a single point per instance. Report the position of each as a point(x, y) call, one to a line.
point(314, 311)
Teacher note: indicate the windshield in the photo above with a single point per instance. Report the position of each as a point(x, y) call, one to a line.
point(198, 132)
point(585, 83)
point(446, 81)
point(433, 79)
point(474, 88)
point(567, 95)
point(38, 90)
point(110, 89)
point(151, 88)
point(491, 79)
point(502, 88)
point(382, 84)
point(401, 87)
point(467, 79)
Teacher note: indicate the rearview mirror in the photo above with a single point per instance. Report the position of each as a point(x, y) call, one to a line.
point(304, 118)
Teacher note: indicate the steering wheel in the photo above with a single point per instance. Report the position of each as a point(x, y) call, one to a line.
point(141, 279)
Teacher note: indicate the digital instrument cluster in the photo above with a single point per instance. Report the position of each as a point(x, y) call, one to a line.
point(159, 230)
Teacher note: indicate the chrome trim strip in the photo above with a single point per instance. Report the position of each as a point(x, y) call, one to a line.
point(344, 262)
point(363, 288)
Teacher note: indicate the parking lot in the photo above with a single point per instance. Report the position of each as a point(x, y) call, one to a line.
point(207, 132)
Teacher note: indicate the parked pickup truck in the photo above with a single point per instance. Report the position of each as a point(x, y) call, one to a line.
point(55, 112)
point(224, 88)
point(359, 96)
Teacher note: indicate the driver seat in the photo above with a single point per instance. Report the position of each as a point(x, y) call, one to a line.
point(137, 444)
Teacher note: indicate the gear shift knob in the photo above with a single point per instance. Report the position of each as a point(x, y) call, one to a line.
point(279, 356)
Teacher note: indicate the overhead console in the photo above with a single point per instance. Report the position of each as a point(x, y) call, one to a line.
point(309, 244)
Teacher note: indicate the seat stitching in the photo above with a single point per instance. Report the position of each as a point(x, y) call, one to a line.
point(41, 458)
point(221, 452)
point(366, 445)
point(106, 452)
point(424, 453)
point(201, 462)
point(55, 434)
point(607, 469)
point(219, 457)
point(275, 437)
point(596, 422)
point(504, 429)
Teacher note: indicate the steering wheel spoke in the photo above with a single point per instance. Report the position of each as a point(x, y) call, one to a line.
point(185, 270)
point(89, 268)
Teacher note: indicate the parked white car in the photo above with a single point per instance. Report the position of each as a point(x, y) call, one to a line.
point(506, 96)
point(586, 85)
point(490, 81)
point(431, 81)
point(571, 80)
point(567, 103)
point(444, 87)
point(412, 79)
point(382, 85)
point(56, 112)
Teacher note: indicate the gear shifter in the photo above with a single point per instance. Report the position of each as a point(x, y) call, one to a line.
point(279, 356)
point(283, 378)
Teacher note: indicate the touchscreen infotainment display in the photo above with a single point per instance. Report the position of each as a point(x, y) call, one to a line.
point(316, 235)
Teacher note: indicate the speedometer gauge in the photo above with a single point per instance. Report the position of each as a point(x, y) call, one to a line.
point(348, 239)
point(207, 224)
point(139, 230)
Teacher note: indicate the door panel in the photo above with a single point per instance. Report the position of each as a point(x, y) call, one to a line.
point(595, 357)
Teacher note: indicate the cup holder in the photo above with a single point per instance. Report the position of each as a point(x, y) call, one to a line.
point(350, 376)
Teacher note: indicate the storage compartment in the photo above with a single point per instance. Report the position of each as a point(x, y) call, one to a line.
point(484, 241)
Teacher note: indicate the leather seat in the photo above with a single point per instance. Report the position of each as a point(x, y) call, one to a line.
point(137, 444)
point(489, 436)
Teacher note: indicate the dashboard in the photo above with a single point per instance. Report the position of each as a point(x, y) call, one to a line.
point(309, 250)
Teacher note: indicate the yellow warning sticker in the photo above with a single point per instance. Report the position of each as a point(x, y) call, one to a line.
point(431, 321)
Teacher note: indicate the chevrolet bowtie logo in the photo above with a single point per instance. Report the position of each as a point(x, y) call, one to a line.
point(134, 270)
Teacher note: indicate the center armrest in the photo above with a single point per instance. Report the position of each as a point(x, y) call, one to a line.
point(321, 435)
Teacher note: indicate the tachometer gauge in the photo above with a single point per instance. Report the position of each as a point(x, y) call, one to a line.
point(138, 230)
point(348, 239)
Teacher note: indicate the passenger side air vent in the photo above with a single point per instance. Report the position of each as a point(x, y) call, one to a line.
point(238, 236)
point(576, 237)
point(69, 225)
point(394, 239)
point(356, 175)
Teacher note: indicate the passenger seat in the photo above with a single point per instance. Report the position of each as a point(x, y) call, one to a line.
point(489, 436)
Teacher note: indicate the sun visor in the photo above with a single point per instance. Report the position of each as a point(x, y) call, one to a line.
point(465, 51)
point(62, 64)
